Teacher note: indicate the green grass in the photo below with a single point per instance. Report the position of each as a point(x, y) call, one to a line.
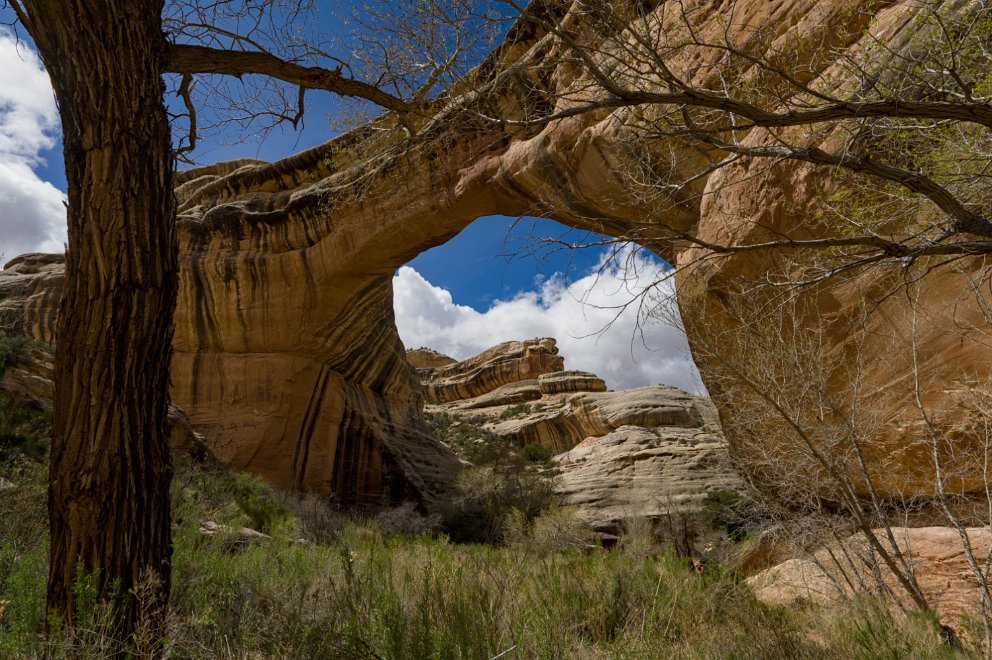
point(367, 593)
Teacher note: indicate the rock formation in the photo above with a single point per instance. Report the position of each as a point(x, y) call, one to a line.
point(27, 383)
point(510, 362)
point(935, 555)
point(645, 452)
point(287, 355)
point(30, 293)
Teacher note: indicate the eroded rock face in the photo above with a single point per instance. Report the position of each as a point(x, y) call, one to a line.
point(509, 362)
point(560, 382)
point(640, 453)
point(28, 382)
point(935, 555)
point(645, 472)
point(30, 293)
point(426, 358)
point(286, 353)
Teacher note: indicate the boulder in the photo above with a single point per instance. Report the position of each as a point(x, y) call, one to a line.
point(936, 555)
point(635, 472)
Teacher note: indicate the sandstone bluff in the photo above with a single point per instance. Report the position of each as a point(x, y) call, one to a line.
point(641, 453)
point(286, 352)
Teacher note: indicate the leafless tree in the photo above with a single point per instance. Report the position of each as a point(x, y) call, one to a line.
point(900, 125)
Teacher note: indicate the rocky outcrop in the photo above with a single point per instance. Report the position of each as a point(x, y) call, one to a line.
point(645, 472)
point(936, 556)
point(427, 358)
point(510, 362)
point(560, 382)
point(286, 353)
point(30, 293)
point(646, 452)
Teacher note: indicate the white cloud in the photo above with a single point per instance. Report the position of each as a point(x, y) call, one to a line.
point(32, 217)
point(593, 333)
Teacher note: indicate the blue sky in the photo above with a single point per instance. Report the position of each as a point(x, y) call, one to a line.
point(484, 286)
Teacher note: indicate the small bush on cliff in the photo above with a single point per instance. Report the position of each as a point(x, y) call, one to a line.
point(24, 431)
point(13, 350)
point(518, 410)
point(466, 437)
point(536, 453)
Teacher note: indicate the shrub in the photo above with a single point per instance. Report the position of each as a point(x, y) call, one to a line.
point(13, 351)
point(466, 437)
point(733, 512)
point(227, 497)
point(485, 496)
point(407, 521)
point(24, 431)
point(516, 411)
point(536, 453)
point(318, 520)
point(555, 529)
point(259, 502)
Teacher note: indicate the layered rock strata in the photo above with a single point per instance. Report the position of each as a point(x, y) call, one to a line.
point(30, 293)
point(286, 350)
point(510, 362)
point(646, 452)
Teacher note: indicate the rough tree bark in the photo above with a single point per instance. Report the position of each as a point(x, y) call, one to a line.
point(110, 465)
point(110, 462)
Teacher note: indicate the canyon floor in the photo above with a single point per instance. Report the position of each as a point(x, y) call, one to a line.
point(555, 544)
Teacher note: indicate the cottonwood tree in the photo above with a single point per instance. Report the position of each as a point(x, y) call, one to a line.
point(110, 463)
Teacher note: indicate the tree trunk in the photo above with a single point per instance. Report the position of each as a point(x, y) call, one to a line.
point(110, 464)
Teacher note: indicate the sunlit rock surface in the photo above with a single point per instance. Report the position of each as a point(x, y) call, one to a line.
point(935, 555)
point(510, 362)
point(641, 453)
point(287, 355)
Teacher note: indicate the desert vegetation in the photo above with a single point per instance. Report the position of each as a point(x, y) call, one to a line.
point(325, 583)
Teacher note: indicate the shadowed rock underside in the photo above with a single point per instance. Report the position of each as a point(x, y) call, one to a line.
point(286, 351)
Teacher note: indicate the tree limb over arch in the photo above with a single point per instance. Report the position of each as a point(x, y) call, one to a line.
point(189, 59)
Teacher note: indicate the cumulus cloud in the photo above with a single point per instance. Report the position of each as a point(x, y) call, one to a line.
point(32, 216)
point(587, 317)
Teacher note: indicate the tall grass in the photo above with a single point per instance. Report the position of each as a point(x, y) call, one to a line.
point(366, 593)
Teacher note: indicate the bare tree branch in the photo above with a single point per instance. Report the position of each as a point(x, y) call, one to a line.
point(187, 59)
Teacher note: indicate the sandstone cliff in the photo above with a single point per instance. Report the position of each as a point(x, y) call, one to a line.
point(286, 351)
point(641, 453)
point(27, 383)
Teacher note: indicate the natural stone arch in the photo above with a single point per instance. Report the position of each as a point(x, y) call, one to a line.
point(285, 340)
point(286, 353)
